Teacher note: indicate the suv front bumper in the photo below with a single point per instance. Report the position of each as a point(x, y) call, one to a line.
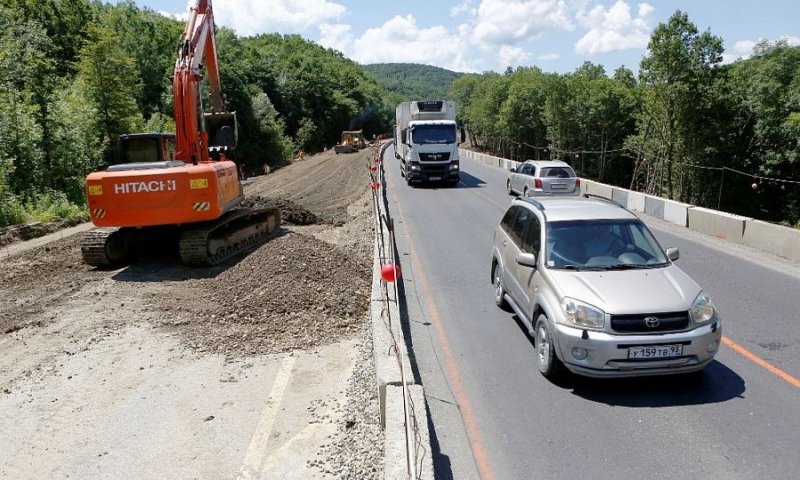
point(607, 354)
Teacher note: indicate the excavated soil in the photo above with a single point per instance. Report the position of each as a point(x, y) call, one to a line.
point(307, 286)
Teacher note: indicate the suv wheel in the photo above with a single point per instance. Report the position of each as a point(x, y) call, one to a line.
point(499, 292)
point(508, 187)
point(549, 364)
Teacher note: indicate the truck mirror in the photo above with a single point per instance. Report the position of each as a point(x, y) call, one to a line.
point(403, 136)
point(463, 136)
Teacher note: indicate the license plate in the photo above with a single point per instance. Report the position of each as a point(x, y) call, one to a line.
point(433, 179)
point(558, 186)
point(660, 351)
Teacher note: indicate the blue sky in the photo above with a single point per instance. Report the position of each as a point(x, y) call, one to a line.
point(482, 35)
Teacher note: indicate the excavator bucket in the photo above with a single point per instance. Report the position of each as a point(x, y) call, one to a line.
point(223, 131)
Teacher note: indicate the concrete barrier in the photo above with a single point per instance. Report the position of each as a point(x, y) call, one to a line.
point(654, 206)
point(395, 461)
point(636, 201)
point(676, 212)
point(717, 224)
point(600, 189)
point(620, 195)
point(772, 238)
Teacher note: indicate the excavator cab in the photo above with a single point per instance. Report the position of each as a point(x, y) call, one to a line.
point(145, 148)
point(223, 132)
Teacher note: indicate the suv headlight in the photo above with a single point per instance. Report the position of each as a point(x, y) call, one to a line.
point(702, 310)
point(582, 314)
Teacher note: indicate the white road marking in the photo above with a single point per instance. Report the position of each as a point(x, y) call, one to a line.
point(257, 451)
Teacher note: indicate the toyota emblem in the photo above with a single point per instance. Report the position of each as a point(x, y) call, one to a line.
point(652, 322)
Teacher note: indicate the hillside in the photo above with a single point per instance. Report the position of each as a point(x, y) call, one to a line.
point(411, 81)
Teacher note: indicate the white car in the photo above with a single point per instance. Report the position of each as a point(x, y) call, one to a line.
point(543, 177)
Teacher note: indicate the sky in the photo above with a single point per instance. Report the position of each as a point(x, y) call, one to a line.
point(491, 35)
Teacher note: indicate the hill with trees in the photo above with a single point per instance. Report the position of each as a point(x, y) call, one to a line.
point(412, 81)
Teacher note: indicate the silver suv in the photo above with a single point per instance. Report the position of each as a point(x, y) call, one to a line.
point(598, 293)
point(543, 177)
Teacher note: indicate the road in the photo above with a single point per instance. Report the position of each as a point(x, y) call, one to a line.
point(495, 417)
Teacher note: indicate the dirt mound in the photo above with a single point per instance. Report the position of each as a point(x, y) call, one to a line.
point(16, 233)
point(294, 292)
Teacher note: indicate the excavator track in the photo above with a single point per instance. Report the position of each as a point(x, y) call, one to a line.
point(234, 232)
point(105, 247)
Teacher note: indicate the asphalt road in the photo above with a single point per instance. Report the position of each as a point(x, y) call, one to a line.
point(495, 417)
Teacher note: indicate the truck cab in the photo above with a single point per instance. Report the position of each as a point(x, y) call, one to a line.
point(427, 141)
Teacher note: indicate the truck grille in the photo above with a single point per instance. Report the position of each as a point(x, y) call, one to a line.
point(434, 157)
point(644, 323)
point(435, 169)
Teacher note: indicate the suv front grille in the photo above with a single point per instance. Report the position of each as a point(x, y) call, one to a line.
point(434, 157)
point(644, 323)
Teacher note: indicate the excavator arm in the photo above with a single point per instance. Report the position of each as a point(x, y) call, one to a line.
point(198, 43)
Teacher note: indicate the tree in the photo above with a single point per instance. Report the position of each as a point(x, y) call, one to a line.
point(677, 73)
point(108, 78)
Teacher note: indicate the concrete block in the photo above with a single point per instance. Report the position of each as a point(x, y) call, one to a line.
point(772, 238)
point(676, 212)
point(599, 189)
point(654, 206)
point(726, 226)
point(636, 201)
point(620, 195)
point(395, 463)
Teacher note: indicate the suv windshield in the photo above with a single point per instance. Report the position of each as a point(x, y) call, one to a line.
point(602, 244)
point(423, 134)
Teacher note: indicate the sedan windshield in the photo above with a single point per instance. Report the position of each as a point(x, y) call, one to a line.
point(422, 134)
point(602, 245)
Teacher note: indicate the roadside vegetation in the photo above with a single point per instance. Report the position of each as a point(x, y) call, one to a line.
point(688, 128)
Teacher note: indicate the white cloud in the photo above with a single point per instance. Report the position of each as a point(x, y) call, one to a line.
point(548, 57)
point(614, 28)
point(506, 22)
point(463, 7)
point(251, 17)
point(400, 39)
point(744, 48)
point(510, 56)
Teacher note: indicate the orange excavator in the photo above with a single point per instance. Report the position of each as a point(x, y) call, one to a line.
point(180, 185)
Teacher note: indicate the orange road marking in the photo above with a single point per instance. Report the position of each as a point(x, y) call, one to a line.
point(465, 407)
point(762, 363)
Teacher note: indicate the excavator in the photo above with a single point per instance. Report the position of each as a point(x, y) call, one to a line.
point(180, 186)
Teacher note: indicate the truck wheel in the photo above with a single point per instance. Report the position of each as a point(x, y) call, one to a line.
point(546, 359)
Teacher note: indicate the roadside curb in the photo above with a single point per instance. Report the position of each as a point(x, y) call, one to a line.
point(404, 457)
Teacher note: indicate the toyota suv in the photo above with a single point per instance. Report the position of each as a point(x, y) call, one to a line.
point(598, 293)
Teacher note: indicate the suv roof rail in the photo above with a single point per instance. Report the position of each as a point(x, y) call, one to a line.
point(607, 200)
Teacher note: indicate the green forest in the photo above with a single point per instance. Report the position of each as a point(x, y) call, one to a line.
point(75, 74)
point(412, 81)
point(689, 128)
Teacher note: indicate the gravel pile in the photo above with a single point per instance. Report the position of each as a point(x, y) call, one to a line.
point(356, 450)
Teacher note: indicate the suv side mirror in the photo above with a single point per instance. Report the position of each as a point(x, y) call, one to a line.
point(673, 253)
point(526, 259)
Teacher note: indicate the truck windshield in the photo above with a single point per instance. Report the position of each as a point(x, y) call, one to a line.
point(422, 134)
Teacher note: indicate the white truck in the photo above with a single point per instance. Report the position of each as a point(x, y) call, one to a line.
point(426, 141)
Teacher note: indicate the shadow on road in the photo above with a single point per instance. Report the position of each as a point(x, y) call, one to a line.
point(469, 181)
point(716, 383)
